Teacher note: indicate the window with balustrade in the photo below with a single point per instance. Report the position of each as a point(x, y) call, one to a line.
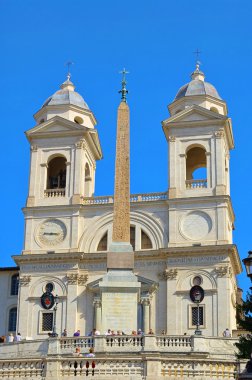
point(12, 322)
point(196, 168)
point(14, 285)
point(56, 177)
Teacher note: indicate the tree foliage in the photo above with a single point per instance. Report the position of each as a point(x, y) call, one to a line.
point(244, 318)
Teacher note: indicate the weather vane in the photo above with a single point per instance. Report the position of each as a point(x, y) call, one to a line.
point(197, 52)
point(124, 91)
point(68, 64)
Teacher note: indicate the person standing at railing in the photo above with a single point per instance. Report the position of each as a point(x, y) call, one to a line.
point(18, 337)
point(64, 333)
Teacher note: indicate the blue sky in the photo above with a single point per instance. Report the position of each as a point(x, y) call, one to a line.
point(155, 41)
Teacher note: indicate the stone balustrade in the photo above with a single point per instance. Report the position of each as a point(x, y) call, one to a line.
point(148, 197)
point(54, 193)
point(195, 184)
point(124, 357)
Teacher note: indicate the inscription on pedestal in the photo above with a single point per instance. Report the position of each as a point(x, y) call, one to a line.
point(119, 311)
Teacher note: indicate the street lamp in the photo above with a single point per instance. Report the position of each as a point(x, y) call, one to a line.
point(56, 301)
point(248, 265)
point(197, 298)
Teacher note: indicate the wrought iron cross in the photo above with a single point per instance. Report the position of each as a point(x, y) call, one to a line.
point(124, 91)
point(68, 64)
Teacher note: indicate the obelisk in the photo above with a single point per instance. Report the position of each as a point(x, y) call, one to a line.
point(121, 216)
point(119, 288)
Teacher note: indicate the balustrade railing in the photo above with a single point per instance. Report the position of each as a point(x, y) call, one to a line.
point(21, 369)
point(148, 197)
point(54, 193)
point(72, 343)
point(196, 184)
point(174, 341)
point(124, 341)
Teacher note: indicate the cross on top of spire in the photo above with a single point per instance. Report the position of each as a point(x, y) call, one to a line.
point(197, 52)
point(68, 64)
point(124, 91)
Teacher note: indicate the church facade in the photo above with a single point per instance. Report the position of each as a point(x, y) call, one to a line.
point(181, 239)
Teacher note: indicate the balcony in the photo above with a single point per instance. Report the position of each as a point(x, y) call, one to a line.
point(194, 184)
point(54, 193)
point(123, 357)
point(109, 199)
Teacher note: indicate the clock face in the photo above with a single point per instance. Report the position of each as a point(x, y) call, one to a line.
point(51, 232)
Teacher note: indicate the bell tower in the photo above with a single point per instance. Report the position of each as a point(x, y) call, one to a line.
point(199, 135)
point(64, 149)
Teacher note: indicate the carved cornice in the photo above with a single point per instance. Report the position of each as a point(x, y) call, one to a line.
point(24, 280)
point(168, 274)
point(223, 271)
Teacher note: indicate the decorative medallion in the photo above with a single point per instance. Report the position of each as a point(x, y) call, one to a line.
point(47, 300)
point(51, 232)
point(197, 294)
point(196, 225)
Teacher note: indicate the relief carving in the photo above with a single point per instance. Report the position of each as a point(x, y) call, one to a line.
point(77, 279)
point(223, 271)
point(171, 138)
point(219, 134)
point(168, 274)
point(80, 144)
point(24, 280)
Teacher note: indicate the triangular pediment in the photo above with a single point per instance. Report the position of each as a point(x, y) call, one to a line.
point(194, 113)
point(56, 125)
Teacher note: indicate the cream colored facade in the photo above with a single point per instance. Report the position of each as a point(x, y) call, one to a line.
point(188, 230)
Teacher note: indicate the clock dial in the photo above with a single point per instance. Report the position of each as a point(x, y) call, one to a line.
point(51, 232)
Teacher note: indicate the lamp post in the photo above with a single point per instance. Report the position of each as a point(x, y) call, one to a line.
point(54, 333)
point(197, 298)
point(248, 265)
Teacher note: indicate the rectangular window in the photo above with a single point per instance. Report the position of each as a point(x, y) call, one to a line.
point(197, 315)
point(47, 321)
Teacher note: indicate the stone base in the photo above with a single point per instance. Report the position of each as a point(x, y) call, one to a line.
point(119, 297)
point(121, 260)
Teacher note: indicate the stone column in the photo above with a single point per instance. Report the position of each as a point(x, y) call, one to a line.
point(220, 162)
point(33, 176)
point(78, 175)
point(146, 315)
point(97, 314)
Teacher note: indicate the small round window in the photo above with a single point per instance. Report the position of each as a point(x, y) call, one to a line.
point(197, 280)
point(78, 120)
point(49, 287)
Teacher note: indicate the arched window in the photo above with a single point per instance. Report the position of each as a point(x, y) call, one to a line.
point(196, 173)
point(103, 244)
point(12, 319)
point(56, 177)
point(14, 285)
point(87, 188)
point(145, 241)
point(133, 237)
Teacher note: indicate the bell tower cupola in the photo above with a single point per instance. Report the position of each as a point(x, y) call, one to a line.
point(199, 136)
point(64, 149)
